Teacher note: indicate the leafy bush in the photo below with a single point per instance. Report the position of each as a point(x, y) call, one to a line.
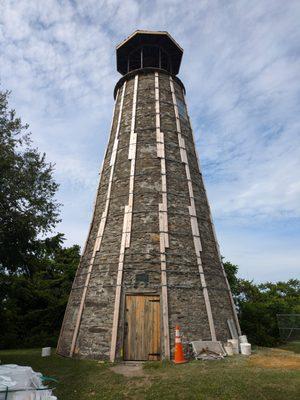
point(259, 304)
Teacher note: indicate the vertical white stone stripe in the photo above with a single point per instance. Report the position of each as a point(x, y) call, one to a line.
point(127, 222)
point(193, 215)
point(214, 231)
point(101, 227)
point(163, 221)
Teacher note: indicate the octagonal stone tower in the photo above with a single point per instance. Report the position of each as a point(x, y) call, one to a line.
point(151, 259)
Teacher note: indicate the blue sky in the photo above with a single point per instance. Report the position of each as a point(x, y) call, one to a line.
point(241, 69)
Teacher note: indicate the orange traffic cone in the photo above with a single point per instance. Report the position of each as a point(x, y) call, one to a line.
point(178, 355)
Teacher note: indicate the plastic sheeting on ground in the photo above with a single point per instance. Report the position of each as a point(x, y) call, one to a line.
point(22, 383)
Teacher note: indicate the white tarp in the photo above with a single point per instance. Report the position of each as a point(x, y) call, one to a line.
point(16, 377)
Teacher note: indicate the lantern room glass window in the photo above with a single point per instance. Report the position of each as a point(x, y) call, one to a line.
point(134, 60)
point(149, 56)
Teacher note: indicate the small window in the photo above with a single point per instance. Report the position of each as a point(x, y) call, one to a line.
point(181, 109)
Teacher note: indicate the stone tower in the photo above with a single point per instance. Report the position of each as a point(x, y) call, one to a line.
point(151, 259)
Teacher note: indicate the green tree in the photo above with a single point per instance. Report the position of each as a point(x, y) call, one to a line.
point(33, 307)
point(259, 304)
point(231, 272)
point(36, 272)
point(27, 189)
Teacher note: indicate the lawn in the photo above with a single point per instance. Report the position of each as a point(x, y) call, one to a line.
point(270, 374)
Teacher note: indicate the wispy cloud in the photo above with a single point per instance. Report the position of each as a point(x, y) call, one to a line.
point(241, 68)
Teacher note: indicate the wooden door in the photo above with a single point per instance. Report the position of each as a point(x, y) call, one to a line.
point(142, 328)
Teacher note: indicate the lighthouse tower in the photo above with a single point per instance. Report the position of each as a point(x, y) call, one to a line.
point(151, 260)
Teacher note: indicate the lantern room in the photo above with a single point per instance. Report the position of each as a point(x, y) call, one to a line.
point(147, 49)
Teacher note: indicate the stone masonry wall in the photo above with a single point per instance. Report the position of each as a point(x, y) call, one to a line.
point(141, 268)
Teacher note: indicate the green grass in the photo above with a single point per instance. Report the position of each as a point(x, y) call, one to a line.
point(291, 346)
point(234, 378)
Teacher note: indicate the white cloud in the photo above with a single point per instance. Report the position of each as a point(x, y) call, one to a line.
point(241, 68)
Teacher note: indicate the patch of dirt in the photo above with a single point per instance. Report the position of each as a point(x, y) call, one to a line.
point(129, 369)
point(276, 358)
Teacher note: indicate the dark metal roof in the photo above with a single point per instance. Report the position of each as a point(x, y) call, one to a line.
point(139, 38)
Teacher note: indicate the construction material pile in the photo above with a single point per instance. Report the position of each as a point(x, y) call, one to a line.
point(22, 383)
point(208, 350)
point(214, 350)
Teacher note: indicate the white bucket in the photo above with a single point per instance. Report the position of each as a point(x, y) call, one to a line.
point(243, 339)
point(46, 351)
point(235, 345)
point(246, 349)
point(229, 349)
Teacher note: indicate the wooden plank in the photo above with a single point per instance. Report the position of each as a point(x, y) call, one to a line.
point(187, 171)
point(162, 248)
point(171, 85)
point(156, 79)
point(131, 184)
point(131, 151)
point(195, 228)
point(132, 167)
point(163, 167)
point(165, 317)
point(142, 327)
point(160, 150)
point(121, 259)
point(163, 183)
point(232, 329)
point(209, 314)
point(183, 155)
point(197, 245)
point(115, 324)
point(192, 211)
point(121, 108)
point(165, 200)
point(154, 328)
point(190, 186)
point(166, 238)
point(128, 232)
point(159, 136)
point(181, 142)
point(130, 200)
point(157, 119)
